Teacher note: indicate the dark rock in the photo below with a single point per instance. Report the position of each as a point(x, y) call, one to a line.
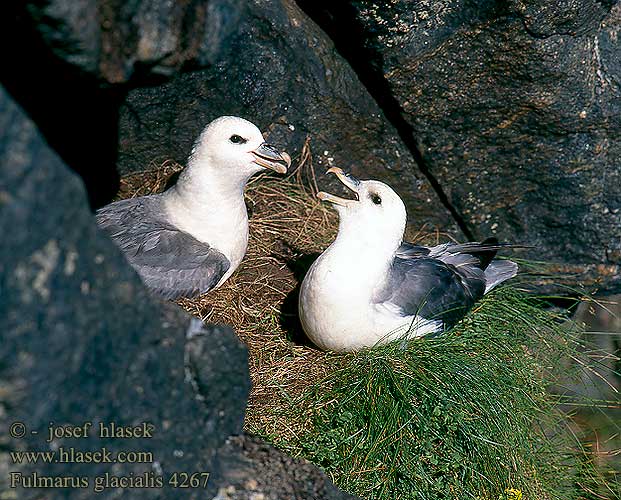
point(280, 71)
point(567, 17)
point(71, 29)
point(250, 469)
point(82, 341)
point(516, 111)
point(70, 63)
point(186, 63)
point(148, 38)
point(76, 114)
point(118, 41)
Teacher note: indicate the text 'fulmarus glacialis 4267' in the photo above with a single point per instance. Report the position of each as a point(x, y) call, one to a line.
point(192, 237)
point(369, 287)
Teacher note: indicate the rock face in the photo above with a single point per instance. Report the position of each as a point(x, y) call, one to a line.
point(516, 111)
point(119, 41)
point(82, 341)
point(250, 469)
point(280, 71)
point(505, 113)
point(175, 66)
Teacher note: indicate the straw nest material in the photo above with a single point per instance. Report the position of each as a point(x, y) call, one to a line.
point(336, 410)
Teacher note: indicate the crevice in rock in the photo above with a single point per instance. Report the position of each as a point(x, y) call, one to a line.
point(366, 63)
point(76, 115)
point(76, 111)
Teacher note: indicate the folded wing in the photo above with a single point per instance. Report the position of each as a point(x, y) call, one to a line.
point(443, 282)
point(171, 263)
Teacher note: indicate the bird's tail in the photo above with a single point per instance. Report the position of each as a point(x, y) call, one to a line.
point(498, 271)
point(484, 252)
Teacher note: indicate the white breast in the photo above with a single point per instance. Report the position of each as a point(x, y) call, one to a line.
point(337, 310)
point(223, 225)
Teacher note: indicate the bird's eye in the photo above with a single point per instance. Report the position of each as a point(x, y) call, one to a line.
point(376, 199)
point(237, 139)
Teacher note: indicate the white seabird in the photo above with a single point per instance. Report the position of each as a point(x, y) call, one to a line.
point(369, 287)
point(191, 238)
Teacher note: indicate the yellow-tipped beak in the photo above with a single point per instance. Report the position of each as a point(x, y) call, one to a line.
point(323, 196)
point(268, 156)
point(348, 180)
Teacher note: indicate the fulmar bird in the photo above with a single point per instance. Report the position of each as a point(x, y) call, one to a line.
point(191, 238)
point(369, 287)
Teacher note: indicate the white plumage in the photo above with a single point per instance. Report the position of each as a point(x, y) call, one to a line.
point(368, 287)
point(192, 237)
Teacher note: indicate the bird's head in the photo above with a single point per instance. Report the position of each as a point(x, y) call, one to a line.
point(376, 215)
point(237, 146)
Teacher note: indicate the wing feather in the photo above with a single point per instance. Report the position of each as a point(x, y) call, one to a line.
point(443, 282)
point(172, 263)
point(432, 289)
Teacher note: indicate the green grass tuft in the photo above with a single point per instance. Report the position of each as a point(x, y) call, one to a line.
point(465, 414)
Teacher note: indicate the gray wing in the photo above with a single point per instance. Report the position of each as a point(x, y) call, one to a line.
point(438, 283)
point(409, 250)
point(432, 289)
point(172, 263)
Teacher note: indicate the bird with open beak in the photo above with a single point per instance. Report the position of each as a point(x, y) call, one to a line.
point(191, 238)
point(369, 287)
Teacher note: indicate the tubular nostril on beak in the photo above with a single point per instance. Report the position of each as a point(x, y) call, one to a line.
point(271, 148)
point(347, 179)
point(352, 179)
point(269, 156)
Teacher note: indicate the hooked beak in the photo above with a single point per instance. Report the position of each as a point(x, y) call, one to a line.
point(348, 180)
point(268, 156)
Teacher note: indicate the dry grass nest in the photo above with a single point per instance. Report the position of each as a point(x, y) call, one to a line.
point(289, 227)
